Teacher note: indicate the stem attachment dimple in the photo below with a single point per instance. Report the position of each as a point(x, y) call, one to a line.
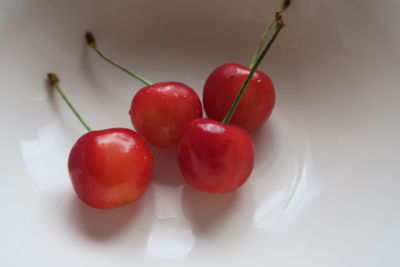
point(278, 27)
point(91, 41)
point(54, 82)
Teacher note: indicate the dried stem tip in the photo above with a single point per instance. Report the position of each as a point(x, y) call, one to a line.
point(279, 19)
point(53, 79)
point(90, 38)
point(285, 4)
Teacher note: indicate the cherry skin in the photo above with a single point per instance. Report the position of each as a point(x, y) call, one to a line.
point(215, 157)
point(221, 88)
point(161, 111)
point(110, 168)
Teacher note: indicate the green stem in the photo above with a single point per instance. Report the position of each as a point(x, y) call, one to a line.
point(267, 30)
point(55, 82)
point(264, 35)
point(228, 117)
point(92, 43)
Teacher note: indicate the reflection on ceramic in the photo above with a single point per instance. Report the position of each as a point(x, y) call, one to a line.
point(171, 235)
point(284, 204)
point(325, 187)
point(45, 158)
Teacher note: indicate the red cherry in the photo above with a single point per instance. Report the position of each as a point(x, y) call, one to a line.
point(215, 157)
point(222, 86)
point(161, 111)
point(110, 168)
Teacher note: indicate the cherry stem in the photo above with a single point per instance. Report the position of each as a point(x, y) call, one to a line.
point(261, 43)
point(267, 30)
point(279, 24)
point(91, 41)
point(54, 81)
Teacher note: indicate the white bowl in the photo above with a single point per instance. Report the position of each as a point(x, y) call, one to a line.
point(325, 188)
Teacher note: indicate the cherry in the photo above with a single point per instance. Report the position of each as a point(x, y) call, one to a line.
point(108, 168)
point(215, 157)
point(159, 111)
point(224, 84)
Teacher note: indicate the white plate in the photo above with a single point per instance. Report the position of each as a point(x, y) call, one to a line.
point(325, 188)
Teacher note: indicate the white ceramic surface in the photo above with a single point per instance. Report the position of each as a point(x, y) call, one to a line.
point(325, 188)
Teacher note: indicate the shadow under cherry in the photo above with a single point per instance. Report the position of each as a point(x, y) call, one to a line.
point(208, 212)
point(102, 225)
point(166, 168)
